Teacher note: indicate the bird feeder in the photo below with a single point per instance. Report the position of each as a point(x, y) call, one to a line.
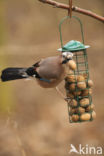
point(77, 83)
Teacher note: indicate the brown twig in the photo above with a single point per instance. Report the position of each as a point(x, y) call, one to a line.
point(74, 8)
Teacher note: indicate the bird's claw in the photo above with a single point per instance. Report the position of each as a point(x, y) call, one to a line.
point(67, 99)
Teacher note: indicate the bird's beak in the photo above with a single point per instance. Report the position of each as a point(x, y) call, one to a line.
point(67, 56)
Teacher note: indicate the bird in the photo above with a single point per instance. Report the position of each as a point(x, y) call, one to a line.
point(48, 72)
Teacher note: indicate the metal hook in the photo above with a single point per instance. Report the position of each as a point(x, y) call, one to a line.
point(70, 8)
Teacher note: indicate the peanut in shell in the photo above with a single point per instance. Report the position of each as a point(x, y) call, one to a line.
point(85, 75)
point(72, 86)
point(93, 114)
point(71, 64)
point(85, 117)
point(73, 103)
point(80, 110)
point(86, 92)
point(72, 111)
point(71, 78)
point(76, 93)
point(80, 78)
point(70, 95)
point(81, 85)
point(90, 83)
point(90, 108)
point(75, 118)
point(84, 102)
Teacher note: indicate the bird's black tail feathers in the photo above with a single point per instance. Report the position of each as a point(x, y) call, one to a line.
point(13, 74)
point(18, 73)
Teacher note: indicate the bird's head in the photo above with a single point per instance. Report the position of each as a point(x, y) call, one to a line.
point(66, 57)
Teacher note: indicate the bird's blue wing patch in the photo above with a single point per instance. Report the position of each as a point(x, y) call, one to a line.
point(46, 80)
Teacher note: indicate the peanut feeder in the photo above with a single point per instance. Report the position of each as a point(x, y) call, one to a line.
point(77, 83)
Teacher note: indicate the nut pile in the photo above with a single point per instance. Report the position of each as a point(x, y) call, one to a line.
point(79, 90)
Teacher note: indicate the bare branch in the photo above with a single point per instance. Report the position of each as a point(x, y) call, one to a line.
point(74, 8)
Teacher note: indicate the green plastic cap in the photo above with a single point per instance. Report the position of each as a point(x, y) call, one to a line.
point(73, 46)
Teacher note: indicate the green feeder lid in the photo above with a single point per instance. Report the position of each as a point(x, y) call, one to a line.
point(73, 46)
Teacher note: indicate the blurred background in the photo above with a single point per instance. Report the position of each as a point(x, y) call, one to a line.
point(34, 121)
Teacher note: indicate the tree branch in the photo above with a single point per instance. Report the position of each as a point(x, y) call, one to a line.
point(74, 8)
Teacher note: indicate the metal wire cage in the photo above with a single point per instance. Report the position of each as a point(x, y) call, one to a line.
point(78, 84)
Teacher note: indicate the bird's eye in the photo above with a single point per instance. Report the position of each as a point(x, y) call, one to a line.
point(64, 54)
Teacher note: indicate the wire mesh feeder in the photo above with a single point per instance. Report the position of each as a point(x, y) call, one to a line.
point(77, 83)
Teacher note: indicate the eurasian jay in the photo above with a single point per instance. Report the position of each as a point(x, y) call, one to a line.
point(49, 72)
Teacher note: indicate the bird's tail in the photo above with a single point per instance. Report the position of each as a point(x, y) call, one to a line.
point(13, 74)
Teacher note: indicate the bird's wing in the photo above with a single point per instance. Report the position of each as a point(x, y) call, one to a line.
point(36, 64)
point(50, 68)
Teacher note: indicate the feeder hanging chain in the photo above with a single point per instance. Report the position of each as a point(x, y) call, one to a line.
point(70, 8)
